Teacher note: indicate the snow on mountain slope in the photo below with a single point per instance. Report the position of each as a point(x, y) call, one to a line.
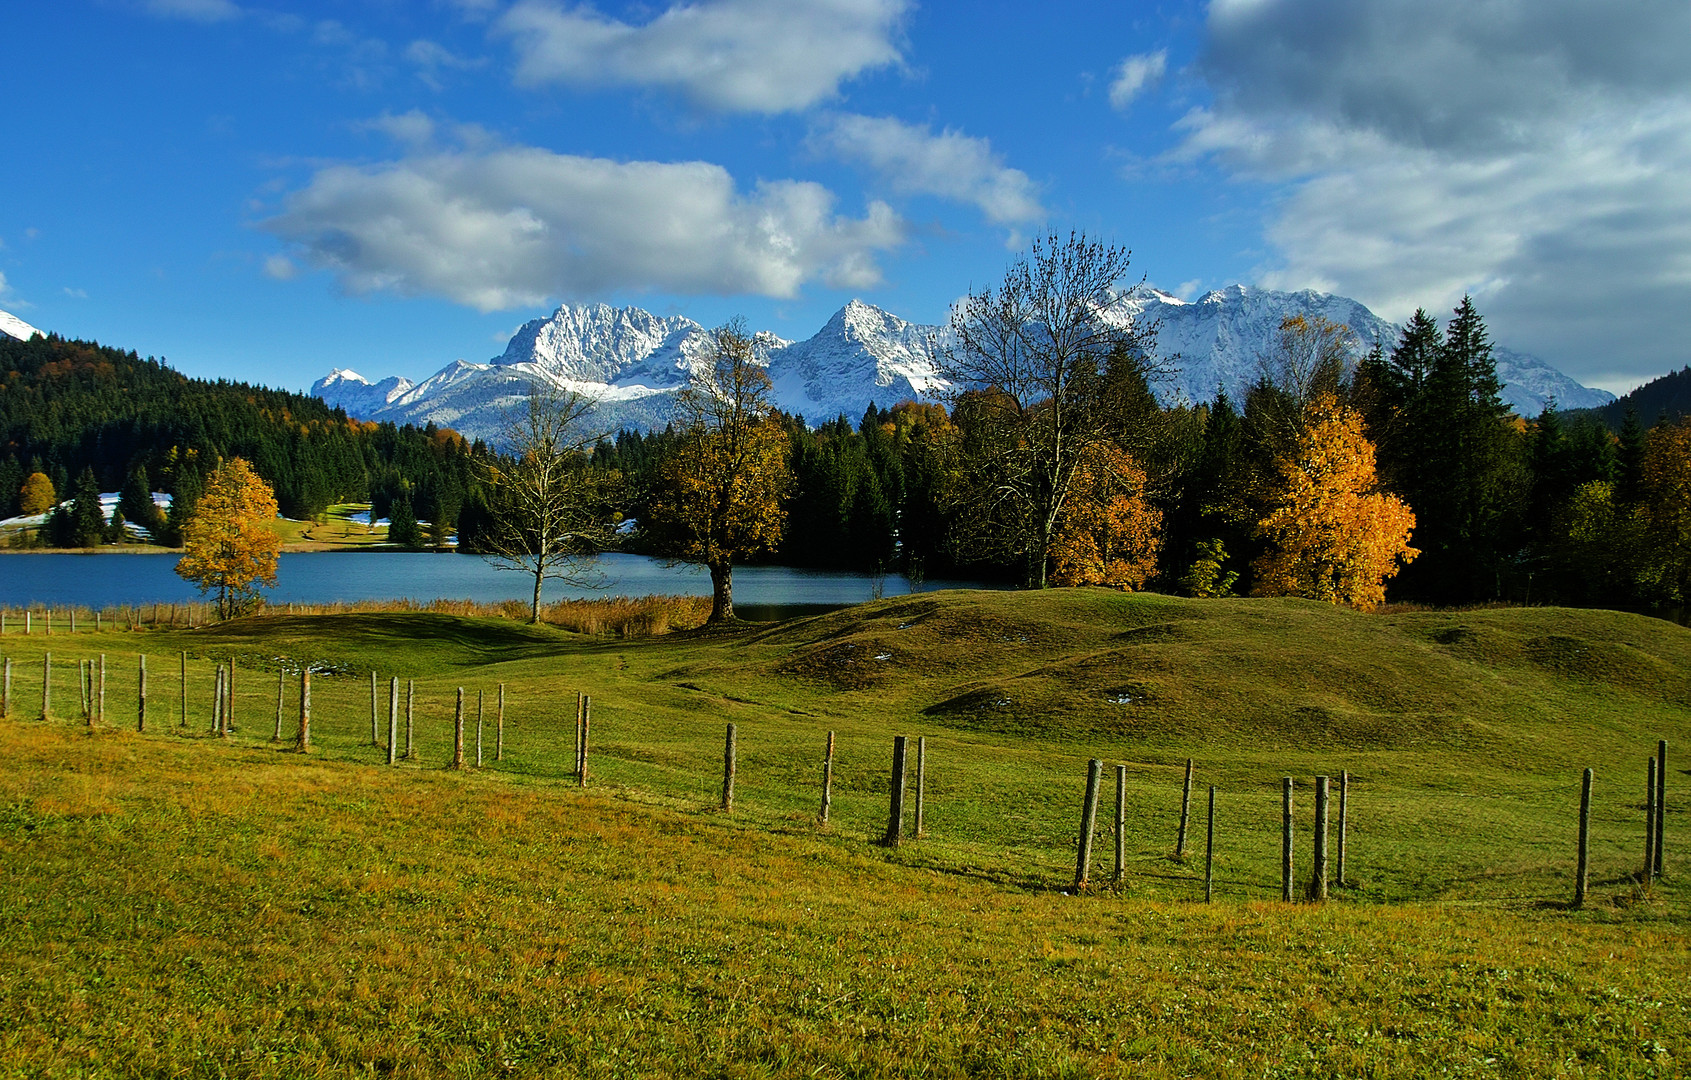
point(345, 389)
point(1218, 339)
point(863, 354)
point(1529, 384)
point(12, 326)
point(633, 361)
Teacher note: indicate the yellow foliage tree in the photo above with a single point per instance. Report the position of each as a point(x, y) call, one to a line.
point(228, 542)
point(37, 495)
point(720, 490)
point(1665, 563)
point(1109, 534)
point(1334, 535)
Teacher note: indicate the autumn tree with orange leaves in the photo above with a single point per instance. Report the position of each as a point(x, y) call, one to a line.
point(720, 490)
point(1110, 533)
point(1334, 535)
point(230, 547)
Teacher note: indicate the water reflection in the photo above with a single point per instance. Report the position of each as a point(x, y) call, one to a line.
point(102, 580)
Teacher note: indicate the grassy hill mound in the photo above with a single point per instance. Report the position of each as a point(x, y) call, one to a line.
point(176, 903)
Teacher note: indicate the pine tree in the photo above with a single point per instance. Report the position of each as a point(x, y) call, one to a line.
point(1461, 468)
point(87, 526)
point(135, 501)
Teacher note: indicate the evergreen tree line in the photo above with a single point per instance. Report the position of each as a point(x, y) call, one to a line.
point(78, 418)
point(1553, 508)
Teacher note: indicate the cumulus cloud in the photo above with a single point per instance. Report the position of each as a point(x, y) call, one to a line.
point(1532, 153)
point(194, 10)
point(516, 226)
point(912, 160)
point(766, 56)
point(1136, 74)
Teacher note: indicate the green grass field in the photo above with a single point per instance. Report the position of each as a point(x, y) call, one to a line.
point(176, 904)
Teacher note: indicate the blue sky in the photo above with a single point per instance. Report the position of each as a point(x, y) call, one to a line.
point(267, 192)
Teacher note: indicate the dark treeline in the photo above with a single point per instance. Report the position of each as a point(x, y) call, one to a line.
point(92, 418)
point(1546, 509)
point(1552, 508)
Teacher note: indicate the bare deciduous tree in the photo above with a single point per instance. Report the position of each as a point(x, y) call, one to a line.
point(1044, 367)
point(551, 514)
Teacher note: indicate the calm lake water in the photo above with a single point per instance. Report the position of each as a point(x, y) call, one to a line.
point(326, 577)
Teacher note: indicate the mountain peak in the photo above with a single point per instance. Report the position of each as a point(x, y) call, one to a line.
point(12, 326)
point(632, 360)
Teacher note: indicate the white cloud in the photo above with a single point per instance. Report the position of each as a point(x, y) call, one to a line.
point(75, 294)
point(432, 58)
point(1532, 154)
point(765, 56)
point(280, 268)
point(1135, 74)
point(194, 10)
point(913, 160)
point(517, 226)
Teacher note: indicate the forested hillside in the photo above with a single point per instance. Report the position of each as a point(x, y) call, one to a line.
point(73, 407)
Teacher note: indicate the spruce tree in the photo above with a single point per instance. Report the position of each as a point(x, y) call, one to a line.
point(1461, 473)
point(87, 519)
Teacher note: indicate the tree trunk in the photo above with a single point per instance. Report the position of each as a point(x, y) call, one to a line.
point(722, 591)
point(539, 576)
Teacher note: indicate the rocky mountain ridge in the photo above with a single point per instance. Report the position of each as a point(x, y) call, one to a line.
point(633, 361)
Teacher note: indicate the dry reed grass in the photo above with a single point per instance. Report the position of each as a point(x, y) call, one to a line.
point(608, 616)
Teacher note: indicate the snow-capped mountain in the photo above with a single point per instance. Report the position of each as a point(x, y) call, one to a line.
point(633, 361)
point(12, 326)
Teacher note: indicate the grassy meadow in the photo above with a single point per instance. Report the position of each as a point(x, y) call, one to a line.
point(172, 903)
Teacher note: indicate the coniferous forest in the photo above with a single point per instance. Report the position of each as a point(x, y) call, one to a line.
point(1589, 508)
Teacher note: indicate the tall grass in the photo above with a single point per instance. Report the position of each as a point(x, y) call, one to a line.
point(623, 617)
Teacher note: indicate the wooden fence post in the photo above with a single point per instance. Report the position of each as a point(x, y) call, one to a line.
point(217, 700)
point(921, 783)
point(728, 772)
point(6, 691)
point(393, 719)
point(410, 699)
point(1121, 826)
point(499, 731)
point(302, 742)
point(229, 696)
point(46, 685)
point(1649, 873)
point(85, 689)
point(1088, 823)
point(586, 726)
point(895, 811)
point(141, 697)
point(1661, 799)
point(1344, 826)
point(1185, 812)
point(1318, 872)
point(1209, 852)
point(827, 780)
point(578, 736)
point(281, 687)
point(458, 732)
point(1584, 838)
point(1286, 840)
point(478, 727)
